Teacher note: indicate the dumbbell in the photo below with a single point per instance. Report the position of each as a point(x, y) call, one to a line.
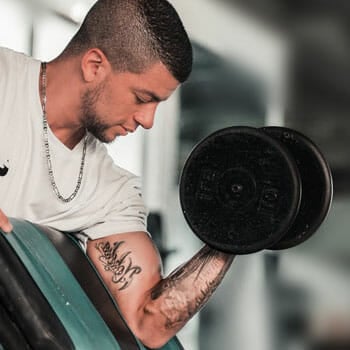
point(245, 189)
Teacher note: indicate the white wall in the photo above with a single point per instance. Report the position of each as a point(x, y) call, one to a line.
point(15, 25)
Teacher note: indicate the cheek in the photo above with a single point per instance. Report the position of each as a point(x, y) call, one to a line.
point(116, 105)
point(112, 103)
point(115, 113)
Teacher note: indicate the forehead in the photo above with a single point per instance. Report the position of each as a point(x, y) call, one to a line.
point(156, 79)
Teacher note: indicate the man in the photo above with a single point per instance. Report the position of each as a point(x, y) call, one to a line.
point(127, 57)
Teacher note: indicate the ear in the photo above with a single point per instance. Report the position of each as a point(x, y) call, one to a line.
point(94, 65)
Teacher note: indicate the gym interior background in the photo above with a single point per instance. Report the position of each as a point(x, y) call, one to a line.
point(257, 62)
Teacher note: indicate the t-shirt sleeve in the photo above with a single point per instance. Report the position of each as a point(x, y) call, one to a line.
point(126, 213)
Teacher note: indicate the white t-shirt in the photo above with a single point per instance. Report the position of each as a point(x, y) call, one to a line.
point(109, 200)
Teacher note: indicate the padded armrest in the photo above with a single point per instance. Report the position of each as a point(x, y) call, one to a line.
point(28, 321)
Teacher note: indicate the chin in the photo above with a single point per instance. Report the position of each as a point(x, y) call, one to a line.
point(102, 136)
point(108, 140)
point(112, 138)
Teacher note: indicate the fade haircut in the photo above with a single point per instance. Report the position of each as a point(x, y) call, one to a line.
point(134, 34)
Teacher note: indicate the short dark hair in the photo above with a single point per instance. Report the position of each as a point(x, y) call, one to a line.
point(133, 34)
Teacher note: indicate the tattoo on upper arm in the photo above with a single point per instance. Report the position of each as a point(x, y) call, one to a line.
point(117, 262)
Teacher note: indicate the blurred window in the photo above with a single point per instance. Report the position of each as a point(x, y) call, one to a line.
point(218, 94)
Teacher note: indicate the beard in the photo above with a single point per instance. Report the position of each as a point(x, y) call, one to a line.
point(91, 121)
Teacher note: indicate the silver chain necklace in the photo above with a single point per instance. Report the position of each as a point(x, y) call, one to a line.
point(47, 146)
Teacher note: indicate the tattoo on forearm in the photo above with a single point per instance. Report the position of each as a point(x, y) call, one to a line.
point(120, 264)
point(188, 288)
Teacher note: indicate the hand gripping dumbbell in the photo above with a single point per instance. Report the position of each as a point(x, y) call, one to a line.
point(245, 189)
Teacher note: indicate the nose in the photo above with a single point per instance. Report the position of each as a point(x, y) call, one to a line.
point(145, 117)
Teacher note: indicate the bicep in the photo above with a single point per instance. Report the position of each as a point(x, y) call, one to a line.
point(130, 266)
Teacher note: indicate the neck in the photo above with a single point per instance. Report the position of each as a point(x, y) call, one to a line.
point(58, 94)
point(68, 138)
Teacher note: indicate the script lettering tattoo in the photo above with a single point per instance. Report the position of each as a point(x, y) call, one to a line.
point(189, 287)
point(120, 264)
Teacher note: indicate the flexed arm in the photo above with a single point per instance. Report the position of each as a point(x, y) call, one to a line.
point(154, 307)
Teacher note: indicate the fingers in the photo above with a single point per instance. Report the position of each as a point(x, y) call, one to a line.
point(5, 224)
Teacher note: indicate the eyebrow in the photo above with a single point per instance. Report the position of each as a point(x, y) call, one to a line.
point(154, 97)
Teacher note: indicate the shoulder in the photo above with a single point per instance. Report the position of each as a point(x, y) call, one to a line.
point(116, 192)
point(10, 58)
point(121, 189)
point(15, 64)
point(6, 62)
point(6, 56)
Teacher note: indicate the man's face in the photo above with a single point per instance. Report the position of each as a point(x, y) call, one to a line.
point(124, 101)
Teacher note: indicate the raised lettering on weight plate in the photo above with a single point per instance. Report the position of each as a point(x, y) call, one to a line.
point(118, 263)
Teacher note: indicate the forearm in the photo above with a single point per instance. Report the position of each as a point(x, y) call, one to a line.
point(175, 299)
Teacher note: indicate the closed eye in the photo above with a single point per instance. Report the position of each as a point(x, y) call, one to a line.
point(145, 96)
point(140, 100)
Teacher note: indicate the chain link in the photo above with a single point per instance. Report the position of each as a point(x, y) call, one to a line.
point(47, 146)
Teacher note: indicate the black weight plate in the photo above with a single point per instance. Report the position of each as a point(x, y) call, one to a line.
point(239, 190)
point(316, 181)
